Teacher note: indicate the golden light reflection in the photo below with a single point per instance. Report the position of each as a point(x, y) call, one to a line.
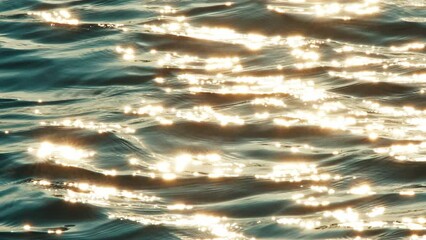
point(409, 152)
point(335, 10)
point(219, 227)
point(312, 202)
point(150, 110)
point(394, 111)
point(411, 223)
point(361, 190)
point(274, 95)
point(322, 120)
point(214, 64)
point(336, 115)
point(350, 218)
point(61, 154)
point(179, 207)
point(295, 172)
point(408, 47)
point(42, 182)
point(357, 61)
point(347, 218)
point(94, 126)
point(322, 189)
point(177, 60)
point(180, 27)
point(107, 196)
point(60, 17)
point(128, 53)
point(82, 192)
point(300, 222)
point(166, 116)
point(87, 193)
point(27, 227)
point(296, 41)
point(417, 237)
point(112, 172)
point(206, 113)
point(407, 193)
point(305, 55)
point(377, 211)
point(373, 76)
point(114, 26)
point(186, 165)
point(167, 10)
point(250, 85)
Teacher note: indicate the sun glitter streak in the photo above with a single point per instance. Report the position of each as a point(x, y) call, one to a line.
point(295, 172)
point(189, 165)
point(335, 10)
point(179, 27)
point(61, 154)
point(59, 17)
point(217, 226)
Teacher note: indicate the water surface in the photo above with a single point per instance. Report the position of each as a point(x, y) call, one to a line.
point(257, 119)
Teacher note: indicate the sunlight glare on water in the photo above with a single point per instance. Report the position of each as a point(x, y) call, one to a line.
point(280, 119)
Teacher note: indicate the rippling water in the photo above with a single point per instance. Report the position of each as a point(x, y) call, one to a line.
point(256, 119)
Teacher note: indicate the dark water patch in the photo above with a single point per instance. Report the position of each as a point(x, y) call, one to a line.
point(375, 89)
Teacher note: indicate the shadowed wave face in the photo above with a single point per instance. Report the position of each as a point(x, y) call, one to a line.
point(252, 119)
